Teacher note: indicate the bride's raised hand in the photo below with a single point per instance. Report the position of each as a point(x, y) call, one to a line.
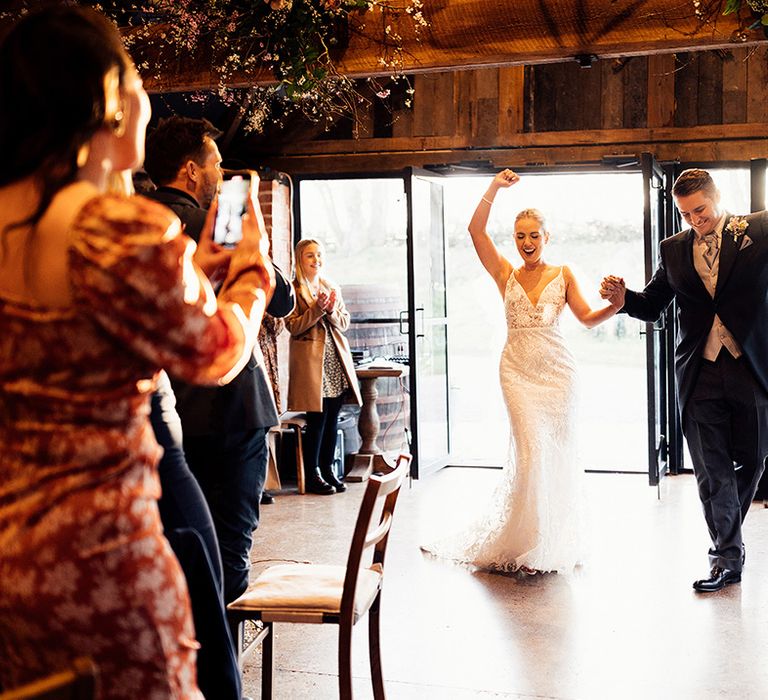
point(506, 178)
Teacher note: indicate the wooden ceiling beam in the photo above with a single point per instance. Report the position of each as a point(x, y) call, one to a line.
point(608, 137)
point(552, 154)
point(465, 34)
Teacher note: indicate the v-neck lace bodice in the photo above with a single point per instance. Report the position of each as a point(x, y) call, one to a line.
point(521, 312)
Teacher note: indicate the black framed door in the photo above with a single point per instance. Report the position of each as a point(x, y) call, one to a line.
point(365, 261)
point(428, 326)
point(664, 436)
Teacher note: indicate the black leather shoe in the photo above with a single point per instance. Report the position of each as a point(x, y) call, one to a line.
point(330, 478)
point(316, 484)
point(267, 498)
point(719, 578)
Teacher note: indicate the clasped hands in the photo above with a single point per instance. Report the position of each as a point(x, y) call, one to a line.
point(613, 290)
point(327, 300)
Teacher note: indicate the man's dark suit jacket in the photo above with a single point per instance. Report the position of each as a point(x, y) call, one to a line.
point(247, 402)
point(185, 206)
point(741, 299)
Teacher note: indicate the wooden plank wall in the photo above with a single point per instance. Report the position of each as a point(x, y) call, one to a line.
point(701, 106)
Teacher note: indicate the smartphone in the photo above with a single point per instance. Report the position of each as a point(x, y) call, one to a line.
point(233, 201)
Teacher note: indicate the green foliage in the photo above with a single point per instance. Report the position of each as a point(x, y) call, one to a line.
point(757, 8)
point(298, 41)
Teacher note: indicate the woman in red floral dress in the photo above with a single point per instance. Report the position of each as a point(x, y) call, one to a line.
point(97, 292)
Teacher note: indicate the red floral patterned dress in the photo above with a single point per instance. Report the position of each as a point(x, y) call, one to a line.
point(84, 567)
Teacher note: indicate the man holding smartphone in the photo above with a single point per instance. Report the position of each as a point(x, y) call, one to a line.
point(225, 428)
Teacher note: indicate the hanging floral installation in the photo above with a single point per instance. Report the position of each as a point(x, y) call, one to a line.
point(286, 51)
point(752, 14)
point(298, 41)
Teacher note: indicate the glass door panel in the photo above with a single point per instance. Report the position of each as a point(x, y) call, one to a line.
point(427, 312)
point(363, 224)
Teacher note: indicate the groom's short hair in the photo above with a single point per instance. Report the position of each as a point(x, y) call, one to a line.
point(694, 180)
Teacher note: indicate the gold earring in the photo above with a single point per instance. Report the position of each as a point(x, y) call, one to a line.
point(82, 154)
point(114, 103)
point(118, 123)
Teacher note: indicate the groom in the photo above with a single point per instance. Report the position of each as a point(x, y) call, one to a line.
point(717, 272)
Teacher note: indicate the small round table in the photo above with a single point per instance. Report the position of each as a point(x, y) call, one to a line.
point(369, 457)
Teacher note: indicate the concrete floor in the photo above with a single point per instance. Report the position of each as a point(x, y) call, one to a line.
point(628, 625)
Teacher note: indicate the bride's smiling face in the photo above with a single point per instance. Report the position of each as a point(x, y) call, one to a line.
point(530, 238)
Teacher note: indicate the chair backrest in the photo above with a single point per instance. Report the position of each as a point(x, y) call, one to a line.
point(371, 533)
point(76, 683)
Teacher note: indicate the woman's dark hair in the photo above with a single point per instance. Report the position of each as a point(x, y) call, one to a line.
point(53, 67)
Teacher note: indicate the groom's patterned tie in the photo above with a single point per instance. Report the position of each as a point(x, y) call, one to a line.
point(713, 248)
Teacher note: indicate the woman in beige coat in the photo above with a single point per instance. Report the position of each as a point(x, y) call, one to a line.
point(321, 367)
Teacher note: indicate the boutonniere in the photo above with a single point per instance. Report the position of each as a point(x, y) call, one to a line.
point(737, 226)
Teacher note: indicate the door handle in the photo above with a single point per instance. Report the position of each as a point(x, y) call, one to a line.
point(403, 323)
point(420, 322)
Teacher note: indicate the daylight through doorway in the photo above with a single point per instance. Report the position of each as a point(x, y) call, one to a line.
point(596, 225)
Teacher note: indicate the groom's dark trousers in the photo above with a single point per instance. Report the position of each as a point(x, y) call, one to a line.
point(726, 426)
point(723, 403)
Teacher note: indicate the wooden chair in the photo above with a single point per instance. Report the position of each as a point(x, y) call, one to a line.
point(320, 594)
point(272, 482)
point(295, 422)
point(75, 683)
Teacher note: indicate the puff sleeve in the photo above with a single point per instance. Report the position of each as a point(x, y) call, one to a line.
point(131, 271)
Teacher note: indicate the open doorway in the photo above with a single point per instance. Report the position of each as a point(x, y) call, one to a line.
point(362, 222)
point(596, 224)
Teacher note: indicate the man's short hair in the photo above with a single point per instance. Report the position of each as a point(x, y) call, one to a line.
point(694, 180)
point(172, 143)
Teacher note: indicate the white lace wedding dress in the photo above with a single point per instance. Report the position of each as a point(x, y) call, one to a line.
point(534, 518)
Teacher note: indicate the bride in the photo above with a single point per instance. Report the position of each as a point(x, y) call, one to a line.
point(532, 524)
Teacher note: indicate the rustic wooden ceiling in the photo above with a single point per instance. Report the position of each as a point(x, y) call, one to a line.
point(475, 33)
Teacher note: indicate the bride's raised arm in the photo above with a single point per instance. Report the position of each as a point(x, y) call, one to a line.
point(497, 265)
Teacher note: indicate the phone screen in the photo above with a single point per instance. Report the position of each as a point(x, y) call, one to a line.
point(233, 198)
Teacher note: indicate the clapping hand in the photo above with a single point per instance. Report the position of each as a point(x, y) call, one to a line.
point(613, 289)
point(327, 301)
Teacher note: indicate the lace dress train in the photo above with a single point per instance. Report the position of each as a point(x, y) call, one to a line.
point(534, 519)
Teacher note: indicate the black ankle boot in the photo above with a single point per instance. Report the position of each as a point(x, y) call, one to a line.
point(330, 477)
point(315, 483)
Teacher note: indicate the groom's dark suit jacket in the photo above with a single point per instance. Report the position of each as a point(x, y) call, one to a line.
point(741, 299)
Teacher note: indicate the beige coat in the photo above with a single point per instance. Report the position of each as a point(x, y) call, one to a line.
point(305, 381)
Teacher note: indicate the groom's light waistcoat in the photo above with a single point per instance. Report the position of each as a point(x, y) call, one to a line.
point(719, 336)
point(740, 299)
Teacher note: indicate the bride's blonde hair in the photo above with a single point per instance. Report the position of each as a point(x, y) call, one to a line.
point(534, 214)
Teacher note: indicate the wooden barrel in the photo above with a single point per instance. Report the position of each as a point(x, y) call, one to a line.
point(367, 303)
point(393, 405)
point(370, 301)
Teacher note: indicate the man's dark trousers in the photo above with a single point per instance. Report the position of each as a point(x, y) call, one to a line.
point(726, 425)
point(231, 470)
